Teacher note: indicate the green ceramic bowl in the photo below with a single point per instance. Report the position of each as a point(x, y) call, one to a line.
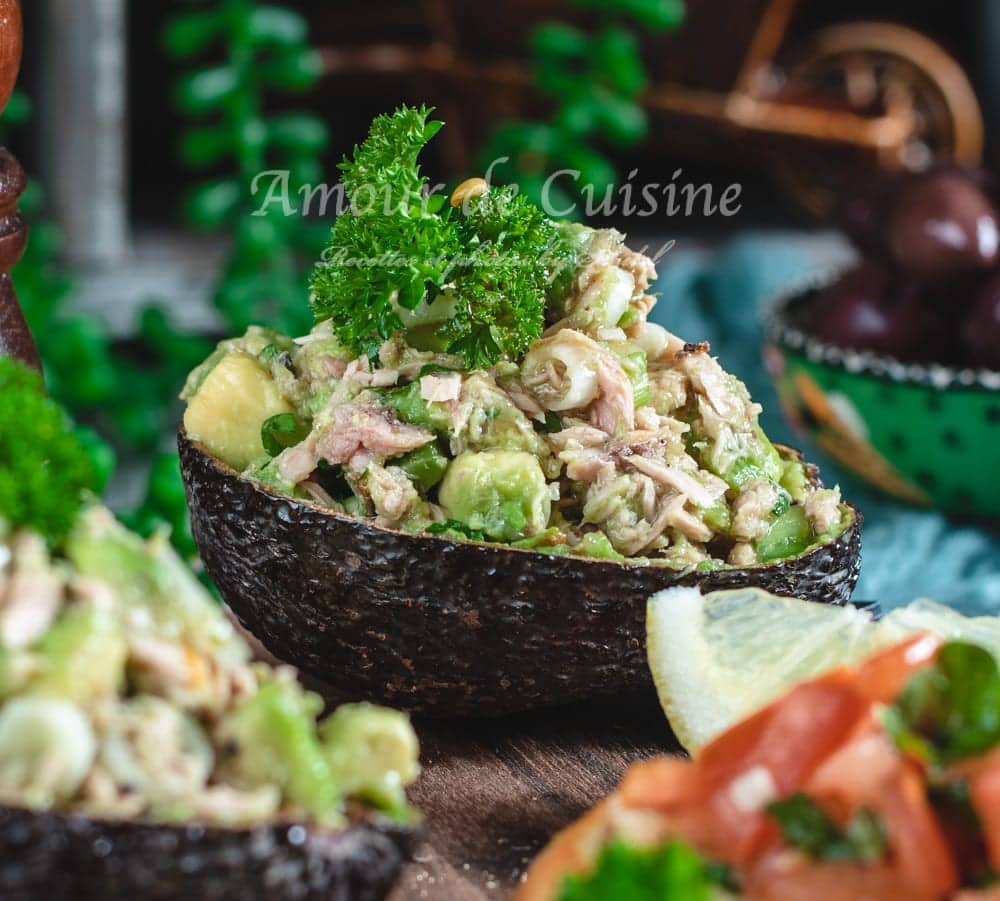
point(925, 433)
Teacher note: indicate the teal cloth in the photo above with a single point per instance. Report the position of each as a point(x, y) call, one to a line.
point(907, 553)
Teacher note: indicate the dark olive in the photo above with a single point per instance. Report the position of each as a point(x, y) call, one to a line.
point(943, 224)
point(862, 211)
point(873, 308)
point(980, 328)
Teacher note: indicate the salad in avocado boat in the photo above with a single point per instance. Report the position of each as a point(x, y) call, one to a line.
point(480, 370)
point(127, 697)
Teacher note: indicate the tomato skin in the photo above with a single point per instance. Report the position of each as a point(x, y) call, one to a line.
point(790, 737)
point(984, 790)
point(870, 772)
point(920, 851)
point(854, 774)
point(983, 894)
point(663, 783)
point(781, 745)
point(882, 676)
point(785, 875)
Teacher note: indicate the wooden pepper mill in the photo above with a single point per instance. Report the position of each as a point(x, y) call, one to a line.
point(15, 338)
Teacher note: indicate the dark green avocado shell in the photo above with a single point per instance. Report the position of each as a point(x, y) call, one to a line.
point(448, 627)
point(65, 858)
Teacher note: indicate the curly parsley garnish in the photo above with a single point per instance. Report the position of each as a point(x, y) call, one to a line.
point(398, 248)
point(44, 467)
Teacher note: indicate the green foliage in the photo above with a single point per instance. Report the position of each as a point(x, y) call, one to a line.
point(258, 49)
point(624, 873)
point(241, 52)
point(950, 710)
point(594, 82)
point(44, 466)
point(398, 248)
point(805, 825)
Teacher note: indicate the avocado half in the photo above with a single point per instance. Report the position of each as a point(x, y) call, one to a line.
point(63, 857)
point(430, 624)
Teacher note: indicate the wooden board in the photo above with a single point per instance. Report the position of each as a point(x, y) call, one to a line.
point(493, 791)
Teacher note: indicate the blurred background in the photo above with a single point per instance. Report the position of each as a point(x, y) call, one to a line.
point(142, 126)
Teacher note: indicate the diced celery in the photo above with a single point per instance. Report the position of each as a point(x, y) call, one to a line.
point(790, 534)
point(425, 466)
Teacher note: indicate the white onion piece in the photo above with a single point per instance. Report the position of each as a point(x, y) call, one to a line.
point(653, 339)
point(157, 750)
point(47, 747)
point(561, 371)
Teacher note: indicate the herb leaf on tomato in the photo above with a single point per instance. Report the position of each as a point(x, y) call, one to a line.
point(673, 871)
point(950, 710)
point(806, 826)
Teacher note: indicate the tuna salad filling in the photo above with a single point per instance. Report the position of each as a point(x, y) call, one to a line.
point(125, 693)
point(533, 405)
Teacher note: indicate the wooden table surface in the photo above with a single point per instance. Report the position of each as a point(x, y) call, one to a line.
point(493, 791)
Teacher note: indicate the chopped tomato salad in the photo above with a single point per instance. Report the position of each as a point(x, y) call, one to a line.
point(880, 782)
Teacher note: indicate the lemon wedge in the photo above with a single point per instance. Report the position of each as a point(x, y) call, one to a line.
point(718, 658)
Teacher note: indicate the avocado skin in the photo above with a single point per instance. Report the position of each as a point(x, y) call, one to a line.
point(444, 627)
point(65, 858)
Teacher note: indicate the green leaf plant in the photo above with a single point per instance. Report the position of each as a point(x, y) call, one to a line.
point(241, 53)
point(594, 82)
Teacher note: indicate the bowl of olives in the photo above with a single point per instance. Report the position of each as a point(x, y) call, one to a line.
point(893, 365)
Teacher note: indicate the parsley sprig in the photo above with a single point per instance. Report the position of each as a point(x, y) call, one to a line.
point(44, 466)
point(950, 710)
point(398, 247)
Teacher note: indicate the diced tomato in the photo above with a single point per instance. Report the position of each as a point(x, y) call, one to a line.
point(790, 737)
point(717, 803)
point(984, 789)
point(789, 876)
point(920, 852)
point(676, 791)
point(821, 737)
point(882, 676)
point(855, 773)
point(984, 894)
point(662, 783)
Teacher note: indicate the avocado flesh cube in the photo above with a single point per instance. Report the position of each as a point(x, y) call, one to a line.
point(279, 746)
point(794, 479)
point(763, 461)
point(372, 753)
point(500, 493)
point(232, 403)
point(717, 517)
point(790, 534)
